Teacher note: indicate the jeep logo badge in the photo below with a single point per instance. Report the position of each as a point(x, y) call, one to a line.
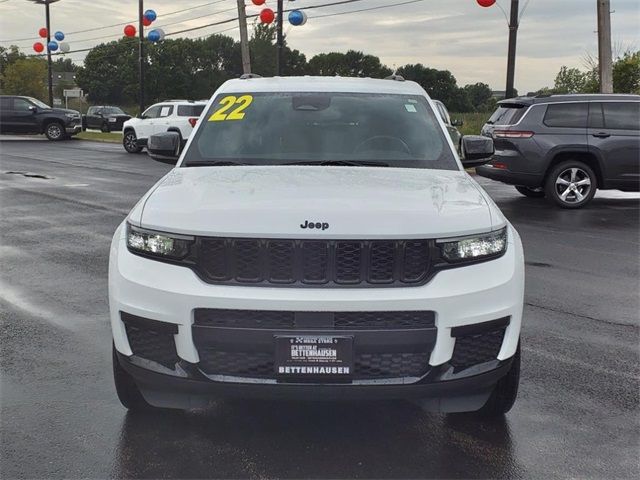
point(316, 225)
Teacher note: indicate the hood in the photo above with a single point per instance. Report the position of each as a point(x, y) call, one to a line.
point(63, 111)
point(353, 202)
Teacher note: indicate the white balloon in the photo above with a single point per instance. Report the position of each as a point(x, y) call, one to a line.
point(161, 32)
point(64, 47)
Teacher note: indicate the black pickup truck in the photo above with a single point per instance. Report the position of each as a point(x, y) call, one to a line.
point(104, 118)
point(31, 116)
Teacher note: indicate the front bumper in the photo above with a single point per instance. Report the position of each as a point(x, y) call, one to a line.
point(476, 294)
point(73, 129)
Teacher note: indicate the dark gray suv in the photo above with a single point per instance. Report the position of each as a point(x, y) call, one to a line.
point(565, 147)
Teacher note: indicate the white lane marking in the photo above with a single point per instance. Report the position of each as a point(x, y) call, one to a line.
point(77, 185)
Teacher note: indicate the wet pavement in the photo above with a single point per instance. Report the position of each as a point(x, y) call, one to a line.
point(577, 414)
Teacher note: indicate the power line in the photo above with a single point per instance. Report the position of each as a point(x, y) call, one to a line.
point(175, 12)
point(367, 9)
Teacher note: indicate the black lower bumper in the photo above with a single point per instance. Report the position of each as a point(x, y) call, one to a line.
point(512, 178)
point(458, 393)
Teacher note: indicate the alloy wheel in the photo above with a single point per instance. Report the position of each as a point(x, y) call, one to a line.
point(573, 185)
point(54, 131)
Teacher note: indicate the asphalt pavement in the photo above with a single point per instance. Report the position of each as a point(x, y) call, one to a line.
point(577, 414)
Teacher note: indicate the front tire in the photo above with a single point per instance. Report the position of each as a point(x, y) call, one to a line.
point(505, 392)
point(571, 184)
point(531, 192)
point(126, 388)
point(130, 142)
point(54, 131)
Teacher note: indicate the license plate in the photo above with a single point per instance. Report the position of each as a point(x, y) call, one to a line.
point(113, 120)
point(316, 358)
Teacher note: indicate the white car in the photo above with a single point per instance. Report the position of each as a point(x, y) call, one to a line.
point(318, 238)
point(171, 116)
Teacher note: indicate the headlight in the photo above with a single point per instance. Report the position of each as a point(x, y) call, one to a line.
point(478, 247)
point(164, 245)
point(72, 115)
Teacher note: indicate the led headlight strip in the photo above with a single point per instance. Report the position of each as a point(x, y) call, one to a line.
point(472, 248)
point(158, 244)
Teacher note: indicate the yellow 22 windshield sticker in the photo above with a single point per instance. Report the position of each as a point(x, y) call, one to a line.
point(231, 108)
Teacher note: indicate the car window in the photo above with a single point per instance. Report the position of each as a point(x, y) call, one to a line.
point(444, 113)
point(152, 112)
point(21, 105)
point(190, 110)
point(507, 114)
point(5, 103)
point(38, 103)
point(165, 111)
point(279, 128)
point(621, 115)
point(567, 115)
point(91, 111)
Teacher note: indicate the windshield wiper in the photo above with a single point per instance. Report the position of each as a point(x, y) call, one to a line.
point(342, 163)
point(212, 163)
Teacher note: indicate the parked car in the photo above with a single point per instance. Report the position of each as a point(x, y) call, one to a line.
point(171, 116)
point(565, 147)
point(104, 118)
point(318, 238)
point(452, 125)
point(27, 115)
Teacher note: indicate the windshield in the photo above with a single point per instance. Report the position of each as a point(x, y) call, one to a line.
point(316, 128)
point(38, 103)
point(112, 111)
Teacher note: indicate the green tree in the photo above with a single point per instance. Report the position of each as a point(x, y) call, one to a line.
point(439, 84)
point(7, 57)
point(626, 73)
point(480, 96)
point(263, 54)
point(64, 65)
point(570, 80)
point(349, 64)
point(26, 76)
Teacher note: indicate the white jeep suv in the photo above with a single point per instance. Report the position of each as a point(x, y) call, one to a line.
point(318, 238)
point(171, 116)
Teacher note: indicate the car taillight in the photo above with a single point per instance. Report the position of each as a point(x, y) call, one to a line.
point(193, 121)
point(499, 165)
point(511, 134)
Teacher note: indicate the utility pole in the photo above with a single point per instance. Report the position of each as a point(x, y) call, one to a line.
point(49, 73)
point(604, 46)
point(141, 53)
point(514, 23)
point(280, 39)
point(244, 38)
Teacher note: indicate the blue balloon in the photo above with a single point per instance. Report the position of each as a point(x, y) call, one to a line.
point(154, 36)
point(297, 18)
point(150, 15)
point(59, 36)
point(52, 45)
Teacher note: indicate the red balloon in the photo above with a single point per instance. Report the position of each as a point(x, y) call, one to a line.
point(258, 2)
point(42, 32)
point(486, 3)
point(130, 31)
point(146, 22)
point(38, 47)
point(267, 16)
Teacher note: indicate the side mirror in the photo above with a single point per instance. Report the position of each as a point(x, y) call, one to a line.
point(476, 150)
point(164, 147)
point(33, 109)
point(142, 117)
point(457, 123)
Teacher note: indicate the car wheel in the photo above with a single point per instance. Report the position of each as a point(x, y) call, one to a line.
point(505, 392)
point(130, 142)
point(54, 131)
point(571, 184)
point(531, 192)
point(126, 388)
point(105, 128)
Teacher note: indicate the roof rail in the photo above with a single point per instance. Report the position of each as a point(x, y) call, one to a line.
point(248, 76)
point(397, 78)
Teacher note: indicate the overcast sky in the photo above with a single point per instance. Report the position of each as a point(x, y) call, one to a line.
point(456, 35)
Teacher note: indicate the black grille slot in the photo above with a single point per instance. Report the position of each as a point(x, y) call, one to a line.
point(237, 364)
point(313, 263)
point(390, 365)
point(478, 348)
point(277, 320)
point(151, 340)
point(260, 319)
point(383, 320)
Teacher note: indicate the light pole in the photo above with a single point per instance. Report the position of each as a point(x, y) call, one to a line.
point(141, 58)
point(46, 4)
point(280, 39)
